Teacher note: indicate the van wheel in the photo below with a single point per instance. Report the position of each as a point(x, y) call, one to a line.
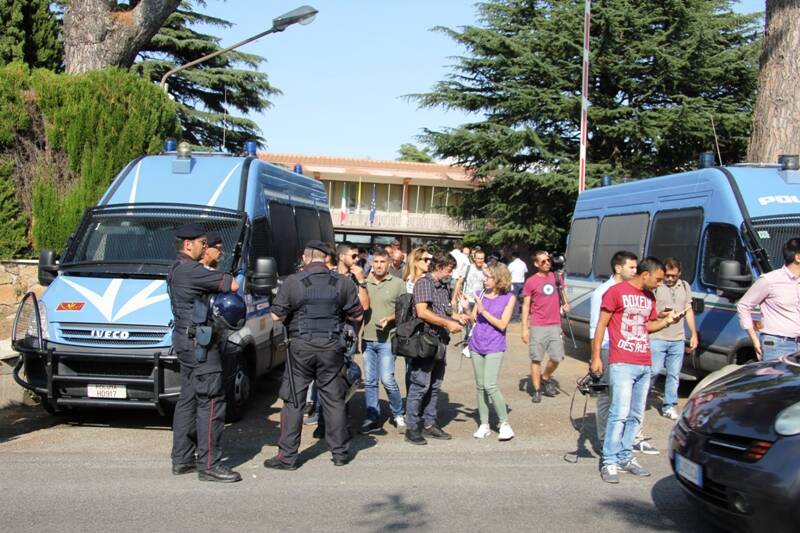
point(239, 389)
point(746, 355)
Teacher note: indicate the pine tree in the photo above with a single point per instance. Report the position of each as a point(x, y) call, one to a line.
point(411, 152)
point(30, 33)
point(660, 70)
point(207, 92)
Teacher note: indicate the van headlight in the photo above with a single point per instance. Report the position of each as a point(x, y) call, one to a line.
point(787, 423)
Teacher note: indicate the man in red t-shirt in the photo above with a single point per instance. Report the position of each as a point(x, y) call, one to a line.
point(543, 299)
point(628, 311)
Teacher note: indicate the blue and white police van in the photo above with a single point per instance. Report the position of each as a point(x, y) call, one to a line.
point(726, 224)
point(100, 335)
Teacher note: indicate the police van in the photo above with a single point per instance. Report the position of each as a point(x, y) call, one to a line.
point(100, 335)
point(726, 224)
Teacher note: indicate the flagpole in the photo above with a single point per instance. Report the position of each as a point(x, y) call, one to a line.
point(587, 14)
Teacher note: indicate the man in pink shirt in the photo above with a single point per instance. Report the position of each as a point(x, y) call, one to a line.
point(777, 293)
point(543, 294)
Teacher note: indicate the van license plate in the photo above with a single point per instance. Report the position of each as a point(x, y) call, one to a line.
point(689, 470)
point(117, 392)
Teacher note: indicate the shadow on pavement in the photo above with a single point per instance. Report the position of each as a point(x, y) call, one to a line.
point(673, 512)
point(19, 420)
point(394, 513)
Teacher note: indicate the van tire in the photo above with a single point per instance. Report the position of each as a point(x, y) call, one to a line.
point(239, 389)
point(745, 355)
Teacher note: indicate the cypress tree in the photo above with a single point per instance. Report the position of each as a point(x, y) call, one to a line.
point(660, 70)
point(30, 33)
point(208, 92)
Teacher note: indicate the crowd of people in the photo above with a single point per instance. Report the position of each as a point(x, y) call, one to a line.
point(343, 300)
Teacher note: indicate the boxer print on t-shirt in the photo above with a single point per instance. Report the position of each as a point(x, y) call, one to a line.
point(631, 309)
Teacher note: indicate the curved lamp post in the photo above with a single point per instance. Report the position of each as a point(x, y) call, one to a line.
point(301, 15)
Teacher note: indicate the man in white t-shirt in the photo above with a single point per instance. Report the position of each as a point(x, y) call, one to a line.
point(519, 271)
point(462, 262)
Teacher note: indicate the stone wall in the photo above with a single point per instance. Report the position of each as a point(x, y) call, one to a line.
point(16, 279)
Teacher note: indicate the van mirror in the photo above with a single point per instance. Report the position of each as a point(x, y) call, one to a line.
point(264, 277)
point(48, 267)
point(698, 305)
point(730, 279)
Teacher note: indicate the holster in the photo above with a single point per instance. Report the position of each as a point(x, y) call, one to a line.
point(202, 339)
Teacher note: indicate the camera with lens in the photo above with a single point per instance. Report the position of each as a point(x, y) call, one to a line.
point(557, 261)
point(592, 384)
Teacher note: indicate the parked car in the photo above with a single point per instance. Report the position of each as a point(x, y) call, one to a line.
point(736, 448)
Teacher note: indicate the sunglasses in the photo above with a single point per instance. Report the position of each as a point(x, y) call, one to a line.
point(354, 256)
point(426, 259)
point(203, 242)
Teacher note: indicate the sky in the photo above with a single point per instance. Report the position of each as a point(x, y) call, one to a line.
point(343, 76)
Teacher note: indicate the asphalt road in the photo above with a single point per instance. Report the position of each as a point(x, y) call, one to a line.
point(110, 471)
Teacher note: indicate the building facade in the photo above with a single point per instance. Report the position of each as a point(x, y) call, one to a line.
point(374, 202)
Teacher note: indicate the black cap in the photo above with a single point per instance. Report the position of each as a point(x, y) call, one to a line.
point(190, 231)
point(321, 246)
point(214, 238)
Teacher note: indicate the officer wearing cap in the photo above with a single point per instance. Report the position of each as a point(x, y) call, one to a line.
point(200, 411)
point(213, 253)
point(315, 303)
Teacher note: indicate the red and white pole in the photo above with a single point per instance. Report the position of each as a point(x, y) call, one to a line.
point(587, 15)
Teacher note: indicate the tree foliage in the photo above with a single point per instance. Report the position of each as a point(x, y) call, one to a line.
point(30, 33)
point(411, 152)
point(208, 92)
point(660, 70)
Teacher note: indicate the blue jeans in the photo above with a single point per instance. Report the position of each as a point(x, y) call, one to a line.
point(516, 288)
point(424, 379)
point(669, 355)
point(379, 361)
point(773, 347)
point(628, 386)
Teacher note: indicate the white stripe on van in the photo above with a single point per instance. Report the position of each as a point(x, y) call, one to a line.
point(215, 196)
point(132, 197)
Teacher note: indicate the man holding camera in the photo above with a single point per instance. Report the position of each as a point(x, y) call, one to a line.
point(628, 312)
point(543, 295)
point(425, 375)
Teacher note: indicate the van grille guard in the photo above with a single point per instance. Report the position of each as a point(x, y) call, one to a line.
point(773, 232)
point(27, 339)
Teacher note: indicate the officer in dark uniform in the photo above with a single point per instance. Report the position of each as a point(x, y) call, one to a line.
point(315, 303)
point(200, 411)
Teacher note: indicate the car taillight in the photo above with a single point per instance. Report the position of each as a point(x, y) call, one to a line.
point(757, 450)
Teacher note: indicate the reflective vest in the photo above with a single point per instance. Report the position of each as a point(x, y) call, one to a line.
point(318, 314)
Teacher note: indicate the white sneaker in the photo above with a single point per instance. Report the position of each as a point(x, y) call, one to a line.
point(670, 413)
point(466, 353)
point(483, 432)
point(506, 433)
point(400, 422)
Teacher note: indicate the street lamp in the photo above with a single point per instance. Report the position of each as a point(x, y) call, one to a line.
point(301, 15)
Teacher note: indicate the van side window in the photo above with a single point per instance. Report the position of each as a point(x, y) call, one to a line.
point(676, 233)
point(619, 232)
point(284, 237)
point(720, 243)
point(260, 241)
point(326, 225)
point(307, 224)
point(581, 246)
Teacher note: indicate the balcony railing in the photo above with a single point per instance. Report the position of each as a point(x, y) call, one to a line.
point(433, 223)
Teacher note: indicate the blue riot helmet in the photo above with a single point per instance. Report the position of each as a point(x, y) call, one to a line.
point(228, 310)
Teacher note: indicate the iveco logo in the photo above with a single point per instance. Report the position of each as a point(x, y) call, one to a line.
point(110, 334)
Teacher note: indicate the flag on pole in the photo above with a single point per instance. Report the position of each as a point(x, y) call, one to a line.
point(343, 208)
point(372, 206)
point(587, 15)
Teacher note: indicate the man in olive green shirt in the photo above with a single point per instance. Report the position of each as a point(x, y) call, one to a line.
point(376, 346)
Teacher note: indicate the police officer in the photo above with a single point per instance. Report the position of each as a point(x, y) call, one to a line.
point(315, 303)
point(200, 411)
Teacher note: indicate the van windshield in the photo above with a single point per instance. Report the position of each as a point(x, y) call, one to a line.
point(140, 239)
point(773, 232)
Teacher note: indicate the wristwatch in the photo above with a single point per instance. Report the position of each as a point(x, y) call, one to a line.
point(362, 284)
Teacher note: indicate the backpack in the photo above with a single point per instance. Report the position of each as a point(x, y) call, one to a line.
point(410, 339)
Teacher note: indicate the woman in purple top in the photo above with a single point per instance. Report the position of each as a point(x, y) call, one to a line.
point(491, 314)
